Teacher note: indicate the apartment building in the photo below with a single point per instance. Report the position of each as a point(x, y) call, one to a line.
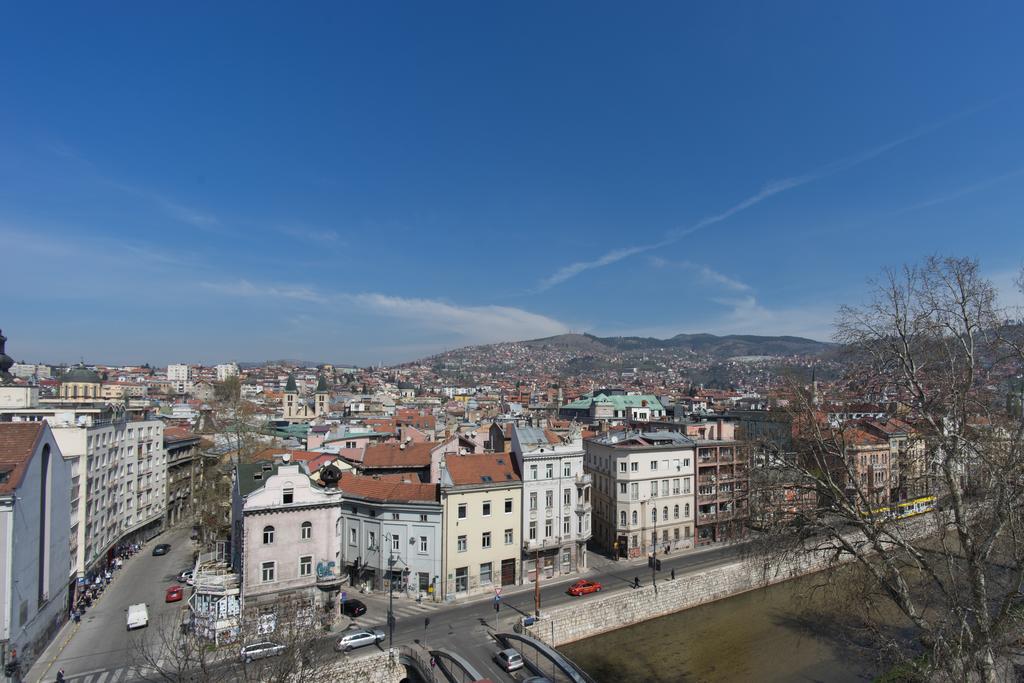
point(184, 472)
point(481, 497)
point(723, 486)
point(556, 519)
point(225, 370)
point(643, 491)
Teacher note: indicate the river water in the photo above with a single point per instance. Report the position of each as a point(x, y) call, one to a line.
point(785, 632)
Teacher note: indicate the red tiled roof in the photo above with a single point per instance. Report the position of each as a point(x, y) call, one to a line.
point(17, 444)
point(271, 453)
point(480, 469)
point(178, 434)
point(393, 455)
point(389, 489)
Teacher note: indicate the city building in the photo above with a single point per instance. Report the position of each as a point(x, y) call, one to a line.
point(613, 407)
point(556, 515)
point(184, 472)
point(297, 409)
point(225, 370)
point(723, 484)
point(482, 500)
point(391, 533)
point(284, 542)
point(643, 491)
point(34, 560)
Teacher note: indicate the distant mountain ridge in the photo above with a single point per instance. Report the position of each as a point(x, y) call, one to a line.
point(719, 347)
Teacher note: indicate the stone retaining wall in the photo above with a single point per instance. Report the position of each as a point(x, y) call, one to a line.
point(597, 614)
point(375, 669)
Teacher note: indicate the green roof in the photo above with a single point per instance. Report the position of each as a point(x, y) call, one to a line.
point(618, 402)
point(246, 472)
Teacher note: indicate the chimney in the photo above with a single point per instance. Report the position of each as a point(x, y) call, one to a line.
point(721, 429)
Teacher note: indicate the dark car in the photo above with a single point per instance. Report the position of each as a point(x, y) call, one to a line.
point(162, 549)
point(353, 608)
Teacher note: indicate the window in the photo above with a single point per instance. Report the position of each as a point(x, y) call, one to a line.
point(675, 534)
point(686, 510)
point(508, 537)
point(394, 543)
point(533, 471)
point(423, 518)
point(622, 467)
point(547, 529)
point(675, 512)
point(622, 488)
point(664, 487)
point(634, 467)
point(462, 510)
point(635, 519)
point(268, 535)
point(508, 506)
point(352, 537)
point(287, 494)
point(268, 571)
point(664, 514)
point(549, 499)
point(485, 573)
point(533, 500)
point(549, 470)
point(371, 541)
point(565, 526)
point(686, 485)
point(305, 565)
point(622, 518)
point(675, 487)
point(462, 544)
point(634, 491)
point(462, 579)
point(567, 469)
point(307, 531)
point(423, 544)
point(395, 515)
point(533, 531)
point(654, 466)
point(487, 508)
point(654, 514)
point(485, 540)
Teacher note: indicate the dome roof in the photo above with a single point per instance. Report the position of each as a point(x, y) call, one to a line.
point(81, 374)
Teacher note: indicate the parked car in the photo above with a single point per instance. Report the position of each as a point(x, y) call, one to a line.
point(537, 679)
point(353, 608)
point(351, 641)
point(261, 650)
point(582, 587)
point(174, 594)
point(509, 660)
point(138, 616)
point(162, 549)
point(185, 576)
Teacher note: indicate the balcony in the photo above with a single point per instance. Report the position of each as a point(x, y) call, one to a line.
point(706, 479)
point(541, 544)
point(707, 497)
point(583, 507)
point(327, 576)
point(706, 517)
point(584, 480)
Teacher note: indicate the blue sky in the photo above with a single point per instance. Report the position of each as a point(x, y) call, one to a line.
point(374, 182)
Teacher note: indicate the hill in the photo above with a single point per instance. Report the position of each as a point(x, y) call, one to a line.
point(710, 345)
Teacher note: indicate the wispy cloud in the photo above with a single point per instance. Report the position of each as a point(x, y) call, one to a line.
point(961, 192)
point(311, 235)
point(769, 190)
point(245, 288)
point(706, 274)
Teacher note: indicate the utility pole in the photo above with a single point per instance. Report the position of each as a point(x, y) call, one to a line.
point(536, 583)
point(654, 562)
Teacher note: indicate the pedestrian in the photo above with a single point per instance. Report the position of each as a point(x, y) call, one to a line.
point(673, 573)
point(426, 623)
point(636, 582)
point(433, 663)
point(60, 676)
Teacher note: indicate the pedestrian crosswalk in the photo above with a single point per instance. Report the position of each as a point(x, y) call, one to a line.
point(102, 676)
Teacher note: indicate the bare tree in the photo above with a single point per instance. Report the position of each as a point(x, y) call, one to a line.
point(932, 346)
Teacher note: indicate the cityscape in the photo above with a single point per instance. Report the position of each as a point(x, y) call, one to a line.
point(568, 343)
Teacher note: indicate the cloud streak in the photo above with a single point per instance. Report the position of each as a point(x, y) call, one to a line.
point(769, 190)
point(706, 274)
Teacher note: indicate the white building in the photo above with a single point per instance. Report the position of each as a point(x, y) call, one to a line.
point(644, 493)
point(34, 562)
point(178, 373)
point(556, 508)
point(225, 370)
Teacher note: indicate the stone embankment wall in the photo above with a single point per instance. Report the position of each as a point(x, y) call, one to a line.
point(601, 614)
point(375, 669)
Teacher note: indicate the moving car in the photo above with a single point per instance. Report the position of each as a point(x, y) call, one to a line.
point(162, 549)
point(174, 594)
point(138, 616)
point(184, 575)
point(582, 587)
point(509, 660)
point(353, 608)
point(261, 650)
point(360, 638)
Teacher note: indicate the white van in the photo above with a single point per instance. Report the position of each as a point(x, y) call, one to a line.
point(138, 616)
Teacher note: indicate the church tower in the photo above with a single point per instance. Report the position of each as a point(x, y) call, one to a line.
point(322, 397)
point(291, 398)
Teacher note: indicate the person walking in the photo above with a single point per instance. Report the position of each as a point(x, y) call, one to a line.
point(60, 676)
point(426, 623)
point(636, 582)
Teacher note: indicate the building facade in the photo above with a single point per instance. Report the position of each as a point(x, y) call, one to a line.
point(643, 491)
point(298, 409)
point(556, 520)
point(481, 497)
point(184, 472)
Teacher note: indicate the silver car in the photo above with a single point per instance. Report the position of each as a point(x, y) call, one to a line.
point(261, 650)
point(351, 641)
point(509, 660)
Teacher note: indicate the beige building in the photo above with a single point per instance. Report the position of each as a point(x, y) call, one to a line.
point(299, 409)
point(643, 491)
point(481, 496)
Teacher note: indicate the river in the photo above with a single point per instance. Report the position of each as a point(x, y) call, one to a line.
point(781, 633)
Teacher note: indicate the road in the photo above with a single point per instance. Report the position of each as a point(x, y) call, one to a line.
point(102, 650)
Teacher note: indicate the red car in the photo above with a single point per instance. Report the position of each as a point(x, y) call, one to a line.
point(174, 594)
point(582, 587)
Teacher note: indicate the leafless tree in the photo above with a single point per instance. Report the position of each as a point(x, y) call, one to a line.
point(931, 345)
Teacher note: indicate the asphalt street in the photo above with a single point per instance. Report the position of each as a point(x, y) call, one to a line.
point(101, 648)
